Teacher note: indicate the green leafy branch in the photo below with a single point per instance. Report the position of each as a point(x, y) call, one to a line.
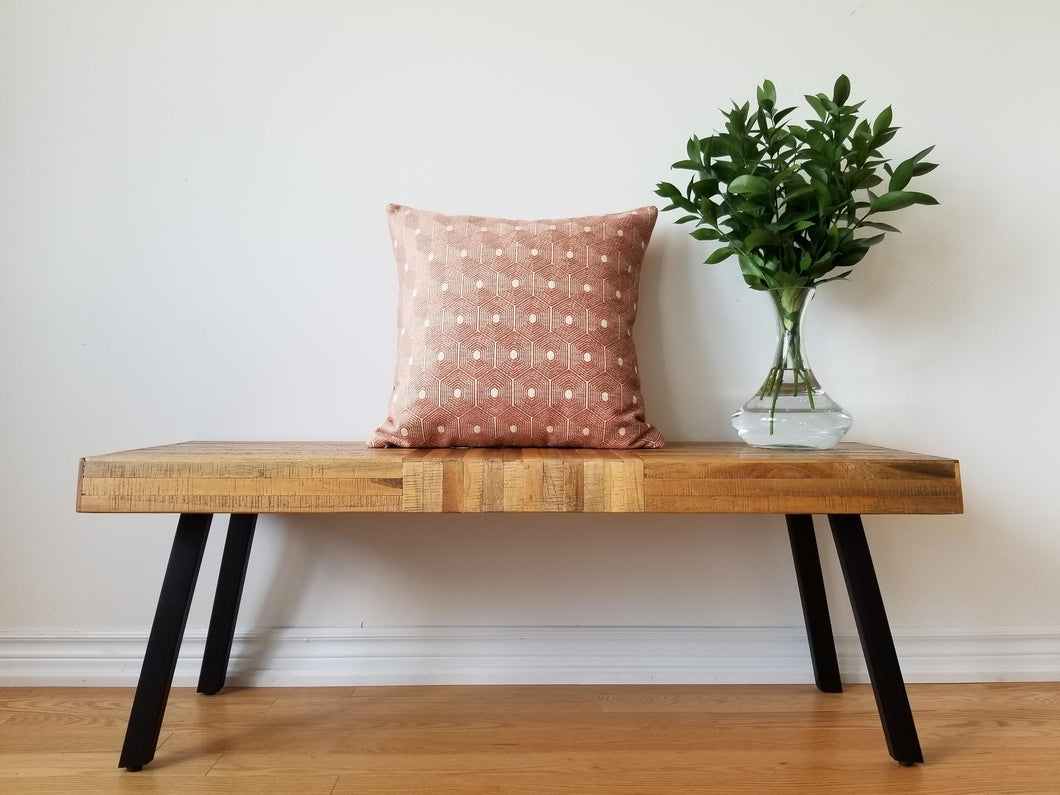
point(794, 202)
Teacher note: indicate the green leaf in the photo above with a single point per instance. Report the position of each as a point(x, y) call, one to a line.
point(883, 121)
point(823, 127)
point(922, 154)
point(737, 118)
point(751, 207)
point(901, 176)
point(898, 199)
point(850, 258)
point(816, 103)
point(724, 170)
point(822, 196)
point(704, 187)
point(794, 196)
point(763, 120)
point(881, 226)
point(751, 265)
point(845, 128)
point(783, 175)
point(819, 173)
point(821, 266)
point(760, 237)
point(841, 91)
point(842, 275)
point(866, 242)
point(767, 95)
point(706, 234)
point(908, 169)
point(799, 132)
point(924, 168)
point(870, 181)
point(719, 255)
point(707, 147)
point(880, 138)
point(690, 165)
point(667, 191)
point(780, 115)
point(685, 219)
point(707, 209)
point(748, 184)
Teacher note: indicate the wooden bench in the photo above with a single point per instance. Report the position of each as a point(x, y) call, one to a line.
point(244, 479)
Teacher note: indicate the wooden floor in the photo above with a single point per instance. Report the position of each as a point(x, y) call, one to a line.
point(599, 740)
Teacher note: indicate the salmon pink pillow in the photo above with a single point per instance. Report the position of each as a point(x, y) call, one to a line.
point(517, 333)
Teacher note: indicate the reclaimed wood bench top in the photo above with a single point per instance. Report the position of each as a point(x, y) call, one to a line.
point(344, 477)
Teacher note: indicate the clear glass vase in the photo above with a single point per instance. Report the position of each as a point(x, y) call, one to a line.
point(790, 409)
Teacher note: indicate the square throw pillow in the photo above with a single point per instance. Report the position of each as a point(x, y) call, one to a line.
point(517, 333)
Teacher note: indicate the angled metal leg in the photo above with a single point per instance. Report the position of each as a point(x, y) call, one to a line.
point(876, 640)
point(814, 603)
point(163, 646)
point(226, 602)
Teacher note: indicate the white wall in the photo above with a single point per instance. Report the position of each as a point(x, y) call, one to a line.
point(193, 245)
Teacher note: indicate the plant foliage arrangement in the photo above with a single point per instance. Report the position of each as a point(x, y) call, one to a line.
point(796, 203)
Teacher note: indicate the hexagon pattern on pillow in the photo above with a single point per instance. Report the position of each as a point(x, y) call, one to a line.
point(517, 333)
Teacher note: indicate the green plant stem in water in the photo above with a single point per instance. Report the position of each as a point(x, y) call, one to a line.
point(789, 304)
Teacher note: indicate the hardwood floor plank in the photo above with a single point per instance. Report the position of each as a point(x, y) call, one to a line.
point(84, 735)
point(70, 761)
point(544, 740)
point(121, 782)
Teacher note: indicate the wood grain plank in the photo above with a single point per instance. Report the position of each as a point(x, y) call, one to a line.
point(111, 781)
point(562, 482)
point(453, 481)
point(474, 478)
point(514, 498)
point(189, 503)
point(534, 480)
point(493, 481)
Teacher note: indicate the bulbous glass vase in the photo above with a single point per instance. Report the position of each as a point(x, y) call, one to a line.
point(790, 409)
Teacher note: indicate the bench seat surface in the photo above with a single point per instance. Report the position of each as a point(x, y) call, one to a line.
point(346, 477)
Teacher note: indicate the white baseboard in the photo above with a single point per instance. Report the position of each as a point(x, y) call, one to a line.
point(529, 655)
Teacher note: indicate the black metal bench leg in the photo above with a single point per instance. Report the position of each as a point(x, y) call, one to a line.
point(226, 602)
point(163, 646)
point(876, 640)
point(814, 603)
